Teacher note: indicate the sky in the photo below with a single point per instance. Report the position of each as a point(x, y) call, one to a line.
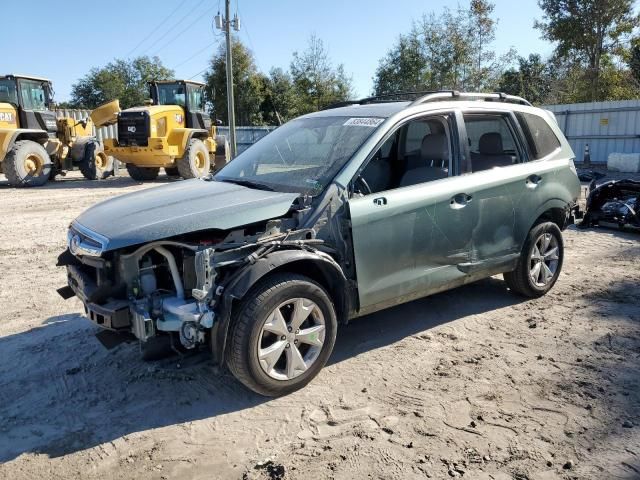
point(63, 44)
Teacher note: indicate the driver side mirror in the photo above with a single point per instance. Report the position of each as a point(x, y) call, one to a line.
point(218, 122)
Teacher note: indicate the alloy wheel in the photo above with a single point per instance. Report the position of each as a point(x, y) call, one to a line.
point(291, 339)
point(543, 261)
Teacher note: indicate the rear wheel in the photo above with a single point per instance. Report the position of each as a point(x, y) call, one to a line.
point(540, 262)
point(195, 162)
point(142, 174)
point(282, 335)
point(95, 164)
point(27, 164)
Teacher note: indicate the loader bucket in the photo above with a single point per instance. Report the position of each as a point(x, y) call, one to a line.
point(106, 114)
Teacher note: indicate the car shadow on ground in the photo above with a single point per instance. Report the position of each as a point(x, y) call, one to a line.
point(62, 392)
point(62, 183)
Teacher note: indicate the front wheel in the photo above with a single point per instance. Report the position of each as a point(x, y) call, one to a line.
point(283, 333)
point(195, 162)
point(27, 164)
point(540, 262)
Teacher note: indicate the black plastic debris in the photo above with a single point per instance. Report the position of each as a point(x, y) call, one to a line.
point(616, 203)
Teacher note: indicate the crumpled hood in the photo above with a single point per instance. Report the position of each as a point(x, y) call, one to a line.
point(181, 207)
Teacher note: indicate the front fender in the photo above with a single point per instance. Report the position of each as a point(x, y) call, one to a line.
point(300, 261)
point(180, 137)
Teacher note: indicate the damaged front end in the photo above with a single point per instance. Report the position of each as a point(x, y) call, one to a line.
point(614, 203)
point(177, 287)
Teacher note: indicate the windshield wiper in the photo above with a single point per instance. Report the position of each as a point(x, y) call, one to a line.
point(248, 183)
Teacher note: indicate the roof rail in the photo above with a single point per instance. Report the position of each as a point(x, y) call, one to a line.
point(455, 95)
point(384, 98)
point(418, 98)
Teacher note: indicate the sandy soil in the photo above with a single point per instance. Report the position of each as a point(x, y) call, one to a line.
point(473, 383)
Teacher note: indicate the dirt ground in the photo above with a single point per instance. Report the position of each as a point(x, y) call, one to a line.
point(474, 383)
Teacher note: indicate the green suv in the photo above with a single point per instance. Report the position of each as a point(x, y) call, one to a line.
point(332, 216)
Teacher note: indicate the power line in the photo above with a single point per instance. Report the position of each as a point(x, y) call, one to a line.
point(156, 28)
point(169, 29)
point(194, 76)
point(195, 54)
point(200, 17)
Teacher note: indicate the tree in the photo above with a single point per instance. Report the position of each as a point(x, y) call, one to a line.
point(402, 69)
point(125, 80)
point(633, 59)
point(449, 50)
point(589, 31)
point(317, 83)
point(279, 103)
point(248, 85)
point(531, 80)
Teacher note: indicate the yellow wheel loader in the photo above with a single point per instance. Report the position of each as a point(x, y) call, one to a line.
point(173, 132)
point(35, 145)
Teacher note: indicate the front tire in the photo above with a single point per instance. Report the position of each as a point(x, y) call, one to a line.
point(95, 164)
point(27, 164)
point(195, 162)
point(540, 262)
point(142, 174)
point(282, 334)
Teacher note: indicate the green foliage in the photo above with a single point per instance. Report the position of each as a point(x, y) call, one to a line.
point(531, 80)
point(125, 80)
point(316, 82)
point(449, 50)
point(248, 85)
point(312, 83)
point(588, 32)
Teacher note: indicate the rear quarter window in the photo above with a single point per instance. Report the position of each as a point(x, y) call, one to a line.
point(540, 138)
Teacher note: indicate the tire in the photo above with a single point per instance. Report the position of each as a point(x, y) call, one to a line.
point(171, 172)
point(247, 335)
point(521, 280)
point(142, 174)
point(223, 153)
point(195, 162)
point(27, 164)
point(95, 164)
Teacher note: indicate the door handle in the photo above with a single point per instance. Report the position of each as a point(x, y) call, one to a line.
point(380, 201)
point(460, 200)
point(533, 181)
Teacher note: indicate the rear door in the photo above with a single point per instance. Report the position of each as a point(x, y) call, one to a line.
point(496, 183)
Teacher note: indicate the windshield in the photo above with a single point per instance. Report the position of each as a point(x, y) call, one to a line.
point(8, 92)
point(301, 156)
point(196, 98)
point(33, 95)
point(171, 94)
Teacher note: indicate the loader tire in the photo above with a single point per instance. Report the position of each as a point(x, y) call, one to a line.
point(142, 174)
point(95, 164)
point(195, 162)
point(223, 153)
point(27, 164)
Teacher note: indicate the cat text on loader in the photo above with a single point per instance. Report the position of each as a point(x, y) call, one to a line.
point(174, 132)
point(35, 145)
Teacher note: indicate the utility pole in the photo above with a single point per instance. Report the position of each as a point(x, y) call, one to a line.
point(224, 23)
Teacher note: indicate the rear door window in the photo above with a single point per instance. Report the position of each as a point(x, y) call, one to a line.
point(492, 142)
point(540, 138)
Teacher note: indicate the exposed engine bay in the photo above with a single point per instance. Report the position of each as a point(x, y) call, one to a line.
point(174, 286)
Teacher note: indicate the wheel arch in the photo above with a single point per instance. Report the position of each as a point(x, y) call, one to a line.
point(9, 137)
point(181, 137)
point(319, 267)
point(554, 210)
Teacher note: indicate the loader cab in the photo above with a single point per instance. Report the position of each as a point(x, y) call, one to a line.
point(33, 99)
point(188, 95)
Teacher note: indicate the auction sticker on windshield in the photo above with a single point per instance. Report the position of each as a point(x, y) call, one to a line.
point(363, 122)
